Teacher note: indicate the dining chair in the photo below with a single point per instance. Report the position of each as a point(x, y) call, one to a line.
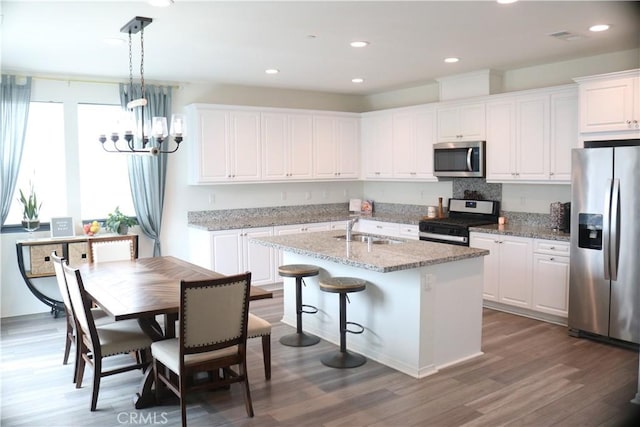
point(213, 336)
point(99, 316)
point(99, 342)
point(116, 248)
point(257, 327)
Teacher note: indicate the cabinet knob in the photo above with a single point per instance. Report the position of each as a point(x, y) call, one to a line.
point(628, 122)
point(552, 259)
point(550, 173)
point(552, 248)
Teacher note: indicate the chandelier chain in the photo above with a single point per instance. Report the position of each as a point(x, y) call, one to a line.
point(130, 66)
point(142, 61)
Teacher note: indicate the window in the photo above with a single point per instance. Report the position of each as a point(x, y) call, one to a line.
point(43, 162)
point(104, 177)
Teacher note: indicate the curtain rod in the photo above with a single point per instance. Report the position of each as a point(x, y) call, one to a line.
point(78, 80)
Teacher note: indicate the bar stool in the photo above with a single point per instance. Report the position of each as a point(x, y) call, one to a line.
point(343, 286)
point(299, 271)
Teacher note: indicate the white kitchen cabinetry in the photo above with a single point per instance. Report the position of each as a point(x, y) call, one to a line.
point(287, 146)
point(225, 145)
point(230, 252)
point(551, 277)
point(336, 147)
point(377, 145)
point(413, 138)
point(390, 229)
point(461, 122)
point(564, 133)
point(409, 231)
point(530, 136)
point(610, 102)
point(507, 269)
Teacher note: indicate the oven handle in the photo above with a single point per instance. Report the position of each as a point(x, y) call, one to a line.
point(435, 236)
point(469, 153)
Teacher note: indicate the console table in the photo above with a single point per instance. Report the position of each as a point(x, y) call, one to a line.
point(34, 260)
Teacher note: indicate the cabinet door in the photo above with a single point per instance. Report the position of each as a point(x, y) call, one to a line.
point(258, 259)
point(300, 147)
point(532, 137)
point(377, 146)
point(209, 151)
point(348, 148)
point(501, 140)
point(551, 284)
point(564, 134)
point(404, 135)
point(607, 105)
point(489, 242)
point(245, 140)
point(448, 128)
point(515, 271)
point(227, 252)
point(472, 122)
point(324, 147)
point(274, 146)
point(425, 138)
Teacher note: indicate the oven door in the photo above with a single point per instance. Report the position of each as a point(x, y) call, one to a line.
point(439, 233)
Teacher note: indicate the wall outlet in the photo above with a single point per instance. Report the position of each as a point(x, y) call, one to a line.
point(283, 195)
point(325, 194)
point(212, 198)
point(428, 281)
point(307, 195)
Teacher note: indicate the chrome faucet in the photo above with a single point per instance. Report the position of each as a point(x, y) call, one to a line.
point(350, 225)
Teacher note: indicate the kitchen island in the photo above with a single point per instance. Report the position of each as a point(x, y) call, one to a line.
point(421, 310)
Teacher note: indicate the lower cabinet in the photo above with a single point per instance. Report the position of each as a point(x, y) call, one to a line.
point(507, 269)
point(231, 252)
point(531, 274)
point(551, 277)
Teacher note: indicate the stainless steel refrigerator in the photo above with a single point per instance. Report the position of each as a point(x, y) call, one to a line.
point(604, 290)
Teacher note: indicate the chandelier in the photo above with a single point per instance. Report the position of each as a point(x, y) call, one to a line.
point(150, 135)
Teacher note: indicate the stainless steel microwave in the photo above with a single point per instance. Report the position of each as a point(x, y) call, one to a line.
point(459, 159)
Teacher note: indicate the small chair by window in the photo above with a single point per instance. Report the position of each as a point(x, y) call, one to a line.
point(98, 342)
point(213, 336)
point(116, 248)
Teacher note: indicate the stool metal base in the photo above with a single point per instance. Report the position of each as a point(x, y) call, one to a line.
point(299, 340)
point(343, 360)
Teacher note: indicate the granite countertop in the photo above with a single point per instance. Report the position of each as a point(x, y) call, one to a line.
point(522, 230)
point(384, 258)
point(253, 221)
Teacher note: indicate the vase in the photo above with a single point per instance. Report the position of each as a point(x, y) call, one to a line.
point(31, 224)
point(123, 229)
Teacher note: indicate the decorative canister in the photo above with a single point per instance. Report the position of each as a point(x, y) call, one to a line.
point(557, 215)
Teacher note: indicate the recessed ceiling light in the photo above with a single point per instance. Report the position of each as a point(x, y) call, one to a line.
point(506, 1)
point(451, 60)
point(272, 71)
point(599, 27)
point(358, 80)
point(360, 43)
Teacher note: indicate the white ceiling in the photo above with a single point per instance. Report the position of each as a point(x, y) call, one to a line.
point(235, 41)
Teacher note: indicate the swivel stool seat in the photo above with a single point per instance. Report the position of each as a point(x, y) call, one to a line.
point(299, 272)
point(343, 286)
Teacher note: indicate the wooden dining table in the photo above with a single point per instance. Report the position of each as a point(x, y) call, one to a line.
point(143, 289)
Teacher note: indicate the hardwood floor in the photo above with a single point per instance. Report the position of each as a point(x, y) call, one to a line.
point(532, 374)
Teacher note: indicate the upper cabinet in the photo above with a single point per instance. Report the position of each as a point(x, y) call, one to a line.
point(226, 144)
point(336, 147)
point(377, 145)
point(530, 136)
point(610, 102)
point(461, 122)
point(287, 146)
point(413, 138)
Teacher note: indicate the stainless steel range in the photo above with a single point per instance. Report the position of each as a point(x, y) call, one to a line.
point(462, 215)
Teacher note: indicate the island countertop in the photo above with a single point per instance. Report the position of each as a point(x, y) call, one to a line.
point(407, 254)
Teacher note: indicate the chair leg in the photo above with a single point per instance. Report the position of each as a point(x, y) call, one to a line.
point(247, 393)
point(67, 344)
point(97, 373)
point(266, 355)
point(81, 363)
point(183, 404)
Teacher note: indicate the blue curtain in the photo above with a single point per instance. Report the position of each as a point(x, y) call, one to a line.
point(15, 96)
point(147, 174)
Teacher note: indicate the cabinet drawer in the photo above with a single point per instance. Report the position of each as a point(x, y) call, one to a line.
point(78, 254)
point(551, 247)
point(410, 231)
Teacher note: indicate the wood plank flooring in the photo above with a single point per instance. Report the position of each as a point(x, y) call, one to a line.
point(532, 374)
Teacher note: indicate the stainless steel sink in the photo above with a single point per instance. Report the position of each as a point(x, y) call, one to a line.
point(375, 240)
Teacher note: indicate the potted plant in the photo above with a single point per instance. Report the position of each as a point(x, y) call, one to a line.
point(31, 210)
point(118, 222)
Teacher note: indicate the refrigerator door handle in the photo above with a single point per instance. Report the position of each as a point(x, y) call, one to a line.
point(606, 232)
point(613, 240)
